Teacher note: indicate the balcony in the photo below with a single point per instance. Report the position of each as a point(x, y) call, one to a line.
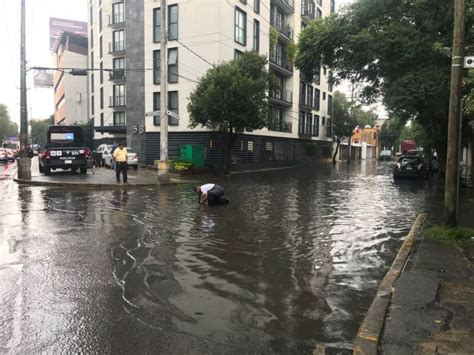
point(281, 96)
point(116, 19)
point(111, 129)
point(117, 101)
point(117, 47)
point(285, 30)
point(279, 125)
point(279, 64)
point(287, 6)
point(308, 10)
point(117, 75)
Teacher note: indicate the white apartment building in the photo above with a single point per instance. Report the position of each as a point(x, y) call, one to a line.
point(125, 47)
point(70, 92)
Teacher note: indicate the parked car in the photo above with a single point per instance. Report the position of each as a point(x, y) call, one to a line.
point(11, 154)
point(132, 157)
point(64, 150)
point(3, 155)
point(385, 155)
point(98, 154)
point(411, 166)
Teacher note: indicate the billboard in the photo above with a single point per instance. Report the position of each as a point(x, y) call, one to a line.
point(43, 79)
point(59, 25)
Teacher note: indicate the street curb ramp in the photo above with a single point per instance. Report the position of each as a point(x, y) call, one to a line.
point(368, 335)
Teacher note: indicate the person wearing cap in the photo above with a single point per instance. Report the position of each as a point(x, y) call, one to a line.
point(210, 193)
point(121, 159)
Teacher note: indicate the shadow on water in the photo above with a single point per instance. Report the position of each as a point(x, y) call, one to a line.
point(293, 261)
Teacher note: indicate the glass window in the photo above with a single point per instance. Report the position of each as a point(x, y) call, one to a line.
point(92, 83)
point(156, 25)
point(101, 47)
point(329, 105)
point(100, 20)
point(173, 65)
point(317, 99)
point(117, 12)
point(102, 120)
point(309, 124)
point(256, 6)
point(118, 39)
point(119, 95)
point(120, 120)
point(309, 98)
point(92, 104)
point(118, 68)
point(173, 105)
point(101, 98)
point(319, 13)
point(302, 93)
point(237, 54)
point(316, 125)
point(256, 35)
point(324, 96)
point(240, 26)
point(173, 22)
point(156, 67)
point(243, 2)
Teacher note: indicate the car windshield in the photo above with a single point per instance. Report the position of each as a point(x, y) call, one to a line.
point(59, 137)
point(409, 160)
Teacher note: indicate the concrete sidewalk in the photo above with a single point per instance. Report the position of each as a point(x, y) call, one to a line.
point(430, 307)
point(97, 178)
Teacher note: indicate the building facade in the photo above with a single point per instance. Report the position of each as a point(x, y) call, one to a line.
point(70, 92)
point(201, 33)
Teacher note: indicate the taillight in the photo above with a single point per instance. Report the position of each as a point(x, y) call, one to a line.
point(87, 152)
point(46, 154)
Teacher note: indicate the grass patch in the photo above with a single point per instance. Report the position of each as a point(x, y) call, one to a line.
point(455, 235)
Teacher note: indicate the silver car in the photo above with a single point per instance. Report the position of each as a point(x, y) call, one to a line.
point(131, 154)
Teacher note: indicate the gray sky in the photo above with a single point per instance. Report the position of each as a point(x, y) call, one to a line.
point(40, 101)
point(38, 12)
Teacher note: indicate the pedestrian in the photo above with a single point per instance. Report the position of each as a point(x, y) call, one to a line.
point(120, 158)
point(210, 193)
point(29, 151)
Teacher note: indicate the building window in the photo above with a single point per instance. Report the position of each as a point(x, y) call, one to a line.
point(243, 2)
point(118, 66)
point(316, 125)
point(324, 96)
point(91, 14)
point(173, 105)
point(309, 98)
point(117, 12)
point(325, 71)
point(332, 6)
point(92, 105)
point(329, 128)
point(101, 98)
point(256, 6)
point(119, 118)
point(172, 66)
point(119, 95)
point(156, 25)
point(173, 22)
point(101, 47)
point(319, 13)
point(118, 40)
point(309, 124)
point(330, 81)
point(323, 121)
point(100, 20)
point(92, 38)
point(329, 105)
point(302, 93)
point(256, 35)
point(237, 54)
point(102, 120)
point(317, 99)
point(240, 26)
point(92, 83)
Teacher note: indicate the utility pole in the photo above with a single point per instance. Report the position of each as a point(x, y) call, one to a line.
point(163, 167)
point(451, 190)
point(349, 147)
point(24, 163)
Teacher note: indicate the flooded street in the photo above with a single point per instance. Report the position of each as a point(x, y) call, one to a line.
point(292, 262)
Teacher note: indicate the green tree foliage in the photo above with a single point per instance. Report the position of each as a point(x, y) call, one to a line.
point(7, 127)
point(39, 130)
point(232, 98)
point(400, 49)
point(342, 122)
point(390, 132)
point(88, 129)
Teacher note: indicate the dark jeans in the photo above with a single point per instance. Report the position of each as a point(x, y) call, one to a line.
point(121, 167)
point(214, 195)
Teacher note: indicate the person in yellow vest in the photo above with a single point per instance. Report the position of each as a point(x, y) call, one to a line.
point(121, 159)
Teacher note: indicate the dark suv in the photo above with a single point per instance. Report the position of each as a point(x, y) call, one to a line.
point(411, 166)
point(64, 150)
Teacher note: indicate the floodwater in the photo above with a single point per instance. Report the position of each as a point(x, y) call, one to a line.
point(290, 264)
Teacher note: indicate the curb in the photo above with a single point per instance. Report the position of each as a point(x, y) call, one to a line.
point(368, 335)
point(95, 186)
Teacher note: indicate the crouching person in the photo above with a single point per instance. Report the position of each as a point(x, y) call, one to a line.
point(210, 193)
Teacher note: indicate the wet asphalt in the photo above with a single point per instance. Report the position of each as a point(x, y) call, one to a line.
point(291, 263)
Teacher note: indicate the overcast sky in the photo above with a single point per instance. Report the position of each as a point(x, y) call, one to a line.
point(38, 12)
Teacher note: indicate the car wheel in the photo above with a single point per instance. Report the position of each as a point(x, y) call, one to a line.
point(47, 171)
point(135, 167)
point(83, 171)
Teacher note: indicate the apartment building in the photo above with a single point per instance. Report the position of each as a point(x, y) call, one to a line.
point(70, 92)
point(201, 33)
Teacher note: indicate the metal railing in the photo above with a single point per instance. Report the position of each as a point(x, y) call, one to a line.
point(114, 19)
point(117, 74)
point(117, 46)
point(117, 101)
point(279, 125)
point(285, 29)
point(283, 95)
point(278, 60)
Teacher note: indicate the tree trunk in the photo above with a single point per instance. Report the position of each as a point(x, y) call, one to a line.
point(349, 150)
point(228, 149)
point(337, 150)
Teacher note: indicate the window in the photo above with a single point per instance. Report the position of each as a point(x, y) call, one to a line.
point(330, 81)
point(173, 22)
point(317, 99)
point(102, 120)
point(237, 54)
point(119, 118)
point(173, 105)
point(91, 14)
point(309, 98)
point(172, 66)
point(309, 124)
point(256, 6)
point(316, 126)
point(332, 6)
point(156, 25)
point(100, 20)
point(329, 105)
point(101, 47)
point(324, 96)
point(92, 104)
point(325, 70)
point(119, 95)
point(118, 65)
point(92, 60)
point(323, 121)
point(329, 128)
point(118, 40)
point(302, 122)
point(256, 35)
point(117, 12)
point(319, 13)
point(302, 93)
point(101, 98)
point(92, 38)
point(243, 2)
point(92, 83)
point(240, 26)
point(317, 77)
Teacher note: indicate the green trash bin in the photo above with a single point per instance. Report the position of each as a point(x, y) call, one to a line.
point(193, 153)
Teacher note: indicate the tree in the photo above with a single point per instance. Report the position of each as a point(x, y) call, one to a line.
point(39, 130)
point(88, 129)
point(342, 122)
point(399, 49)
point(232, 98)
point(7, 127)
point(390, 132)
